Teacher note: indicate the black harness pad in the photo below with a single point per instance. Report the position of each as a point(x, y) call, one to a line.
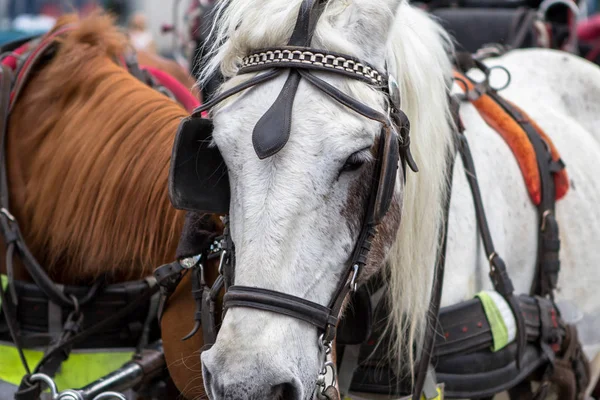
point(198, 177)
point(483, 373)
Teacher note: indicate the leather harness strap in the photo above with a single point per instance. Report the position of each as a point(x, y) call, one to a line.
point(280, 303)
point(272, 131)
point(465, 326)
point(8, 225)
point(498, 273)
point(548, 264)
point(36, 313)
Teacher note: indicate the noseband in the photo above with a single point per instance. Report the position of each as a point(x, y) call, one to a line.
point(270, 135)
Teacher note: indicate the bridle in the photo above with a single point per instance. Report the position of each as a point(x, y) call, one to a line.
point(197, 190)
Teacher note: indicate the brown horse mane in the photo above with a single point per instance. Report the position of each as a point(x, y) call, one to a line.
point(88, 151)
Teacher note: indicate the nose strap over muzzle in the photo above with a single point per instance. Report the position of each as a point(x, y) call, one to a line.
point(325, 319)
point(282, 303)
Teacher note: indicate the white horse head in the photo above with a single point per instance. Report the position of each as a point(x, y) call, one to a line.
point(295, 217)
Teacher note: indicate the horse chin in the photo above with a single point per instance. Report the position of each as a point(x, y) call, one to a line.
point(266, 357)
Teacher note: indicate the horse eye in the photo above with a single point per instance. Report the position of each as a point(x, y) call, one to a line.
point(354, 162)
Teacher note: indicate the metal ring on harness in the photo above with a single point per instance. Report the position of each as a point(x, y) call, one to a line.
point(508, 77)
point(321, 385)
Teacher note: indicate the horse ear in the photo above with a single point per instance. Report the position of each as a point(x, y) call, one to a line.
point(368, 23)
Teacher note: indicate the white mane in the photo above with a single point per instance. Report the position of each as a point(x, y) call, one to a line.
point(417, 54)
point(420, 48)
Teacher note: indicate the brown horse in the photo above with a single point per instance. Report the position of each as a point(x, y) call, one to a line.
point(88, 152)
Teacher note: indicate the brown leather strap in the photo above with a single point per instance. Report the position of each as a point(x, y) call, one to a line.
point(498, 273)
point(267, 76)
point(308, 15)
point(9, 227)
point(38, 53)
point(548, 263)
point(272, 131)
point(344, 99)
point(280, 303)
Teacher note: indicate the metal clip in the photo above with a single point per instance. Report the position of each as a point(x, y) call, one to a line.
point(545, 215)
point(353, 284)
point(322, 378)
point(394, 90)
point(491, 259)
point(325, 347)
point(222, 261)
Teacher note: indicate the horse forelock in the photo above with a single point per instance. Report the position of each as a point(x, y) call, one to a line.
point(89, 150)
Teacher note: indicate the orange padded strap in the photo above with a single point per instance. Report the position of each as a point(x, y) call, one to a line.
point(516, 138)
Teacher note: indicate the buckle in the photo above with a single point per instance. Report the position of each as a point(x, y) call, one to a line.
point(353, 283)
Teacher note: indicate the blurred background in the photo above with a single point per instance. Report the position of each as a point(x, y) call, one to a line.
point(27, 17)
point(178, 29)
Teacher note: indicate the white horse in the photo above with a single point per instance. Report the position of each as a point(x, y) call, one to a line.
point(295, 216)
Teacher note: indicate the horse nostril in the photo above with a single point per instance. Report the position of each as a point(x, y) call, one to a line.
point(286, 391)
point(207, 377)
